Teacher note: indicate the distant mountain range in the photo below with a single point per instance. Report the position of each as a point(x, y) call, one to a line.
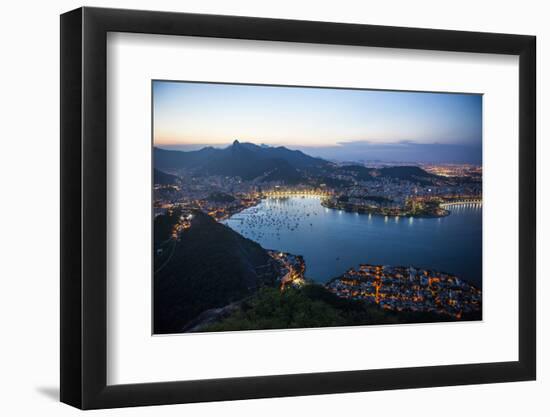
point(244, 160)
point(265, 164)
point(408, 173)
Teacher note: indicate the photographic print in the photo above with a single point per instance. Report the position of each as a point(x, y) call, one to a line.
point(286, 207)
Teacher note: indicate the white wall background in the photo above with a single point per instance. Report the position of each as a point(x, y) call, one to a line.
point(29, 213)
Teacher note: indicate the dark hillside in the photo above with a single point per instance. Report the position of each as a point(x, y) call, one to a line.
point(163, 178)
point(409, 173)
point(211, 266)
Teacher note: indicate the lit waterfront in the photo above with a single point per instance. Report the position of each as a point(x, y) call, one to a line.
point(332, 241)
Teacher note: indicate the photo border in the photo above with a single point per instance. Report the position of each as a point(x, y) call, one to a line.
point(161, 80)
point(84, 207)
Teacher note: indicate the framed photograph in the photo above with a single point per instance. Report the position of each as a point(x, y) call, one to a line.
point(258, 208)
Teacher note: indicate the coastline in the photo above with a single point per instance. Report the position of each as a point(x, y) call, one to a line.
point(395, 288)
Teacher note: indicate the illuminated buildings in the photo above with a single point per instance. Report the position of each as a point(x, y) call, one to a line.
point(408, 289)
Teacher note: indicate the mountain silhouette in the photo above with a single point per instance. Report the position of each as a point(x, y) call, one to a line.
point(245, 160)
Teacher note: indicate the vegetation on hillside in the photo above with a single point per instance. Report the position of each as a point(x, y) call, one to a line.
point(310, 306)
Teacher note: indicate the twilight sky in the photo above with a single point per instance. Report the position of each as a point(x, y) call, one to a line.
point(336, 124)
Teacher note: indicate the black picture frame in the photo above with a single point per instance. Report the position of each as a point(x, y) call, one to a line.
point(84, 207)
